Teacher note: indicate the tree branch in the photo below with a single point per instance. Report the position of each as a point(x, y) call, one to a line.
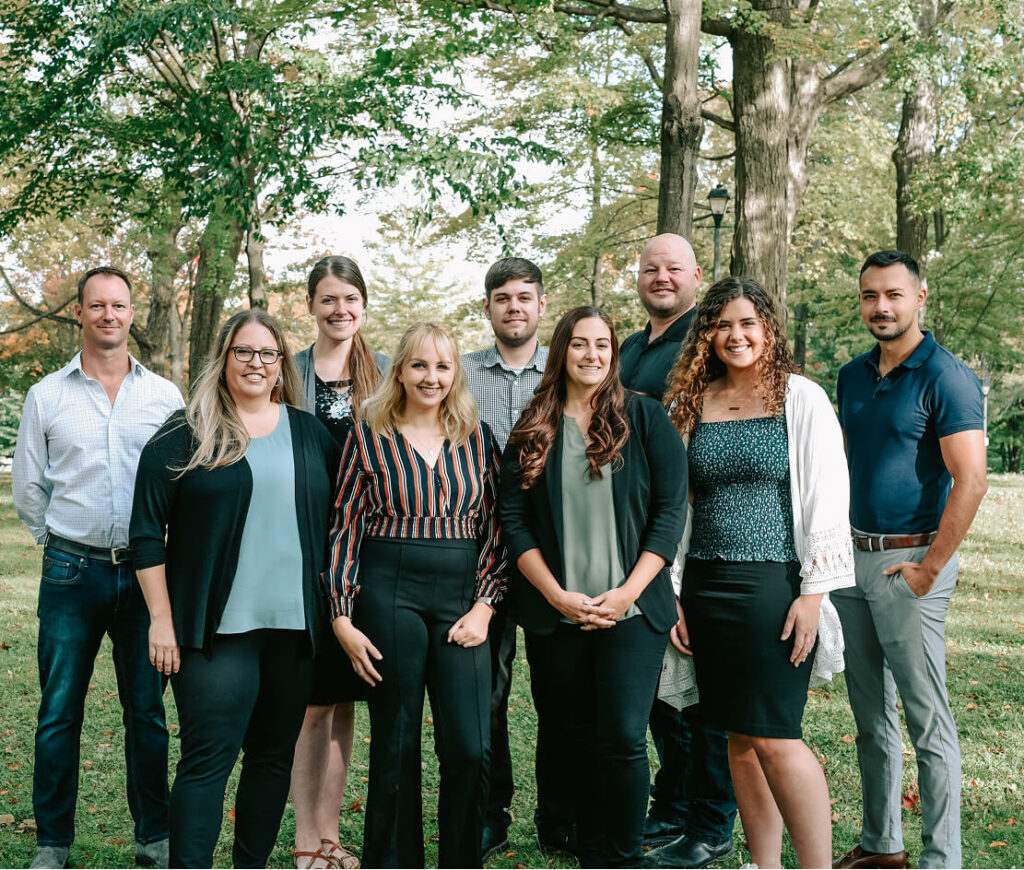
point(724, 123)
point(652, 67)
point(845, 80)
point(41, 314)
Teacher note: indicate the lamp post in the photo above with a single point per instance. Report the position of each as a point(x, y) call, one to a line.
point(718, 199)
point(986, 385)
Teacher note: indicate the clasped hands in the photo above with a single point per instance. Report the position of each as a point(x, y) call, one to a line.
point(468, 631)
point(592, 613)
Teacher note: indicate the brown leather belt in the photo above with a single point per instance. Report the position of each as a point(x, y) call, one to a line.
point(881, 543)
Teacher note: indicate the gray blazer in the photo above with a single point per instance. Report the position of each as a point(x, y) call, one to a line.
point(307, 373)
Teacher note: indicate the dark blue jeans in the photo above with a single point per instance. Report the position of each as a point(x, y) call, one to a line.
point(80, 601)
point(693, 786)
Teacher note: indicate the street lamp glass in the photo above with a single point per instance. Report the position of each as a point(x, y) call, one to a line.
point(718, 199)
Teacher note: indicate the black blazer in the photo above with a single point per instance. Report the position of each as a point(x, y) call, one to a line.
point(650, 514)
point(204, 513)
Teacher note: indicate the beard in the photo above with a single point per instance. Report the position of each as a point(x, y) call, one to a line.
point(888, 336)
point(515, 340)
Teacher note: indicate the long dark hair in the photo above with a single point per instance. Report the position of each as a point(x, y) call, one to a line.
point(698, 365)
point(538, 425)
point(361, 362)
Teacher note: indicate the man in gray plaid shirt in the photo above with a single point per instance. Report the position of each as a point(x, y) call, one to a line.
point(503, 378)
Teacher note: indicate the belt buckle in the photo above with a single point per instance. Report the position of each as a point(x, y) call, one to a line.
point(119, 555)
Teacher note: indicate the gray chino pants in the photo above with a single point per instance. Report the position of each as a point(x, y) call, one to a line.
point(896, 641)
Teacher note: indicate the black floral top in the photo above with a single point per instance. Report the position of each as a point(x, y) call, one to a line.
point(334, 407)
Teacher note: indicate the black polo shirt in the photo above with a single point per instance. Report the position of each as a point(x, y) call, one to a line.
point(644, 365)
point(898, 480)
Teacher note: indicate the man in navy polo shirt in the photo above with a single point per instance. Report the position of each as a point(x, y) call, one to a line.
point(911, 413)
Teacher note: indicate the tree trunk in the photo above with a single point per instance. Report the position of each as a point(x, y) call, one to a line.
point(254, 246)
point(682, 127)
point(761, 109)
point(915, 148)
point(218, 255)
point(166, 259)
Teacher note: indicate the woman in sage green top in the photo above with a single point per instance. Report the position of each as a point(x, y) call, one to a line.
point(593, 505)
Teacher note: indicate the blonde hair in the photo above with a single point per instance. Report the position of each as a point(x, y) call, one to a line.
point(383, 410)
point(220, 437)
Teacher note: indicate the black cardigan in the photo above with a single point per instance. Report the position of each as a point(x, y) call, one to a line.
point(649, 491)
point(204, 514)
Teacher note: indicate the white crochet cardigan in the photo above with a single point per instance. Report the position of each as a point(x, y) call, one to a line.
point(820, 489)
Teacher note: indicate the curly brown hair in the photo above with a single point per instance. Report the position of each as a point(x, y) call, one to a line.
point(538, 425)
point(698, 364)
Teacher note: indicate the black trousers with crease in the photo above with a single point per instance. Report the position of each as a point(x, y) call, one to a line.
point(410, 595)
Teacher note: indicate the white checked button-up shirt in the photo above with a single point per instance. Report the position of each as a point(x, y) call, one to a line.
point(502, 392)
point(77, 454)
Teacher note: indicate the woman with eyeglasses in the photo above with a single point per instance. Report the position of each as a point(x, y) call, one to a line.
point(593, 505)
point(242, 482)
point(338, 373)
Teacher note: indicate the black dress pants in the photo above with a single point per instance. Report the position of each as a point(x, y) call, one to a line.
point(410, 595)
point(249, 694)
point(593, 692)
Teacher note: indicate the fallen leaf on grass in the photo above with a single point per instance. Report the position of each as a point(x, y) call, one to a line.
point(847, 738)
point(26, 825)
point(997, 844)
point(1011, 821)
point(356, 806)
point(835, 818)
point(231, 813)
point(910, 798)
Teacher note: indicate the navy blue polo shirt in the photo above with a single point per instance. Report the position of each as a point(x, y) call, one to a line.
point(898, 480)
point(644, 365)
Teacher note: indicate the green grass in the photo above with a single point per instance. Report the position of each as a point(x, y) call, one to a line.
point(985, 643)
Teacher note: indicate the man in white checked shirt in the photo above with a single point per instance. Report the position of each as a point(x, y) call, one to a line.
point(81, 434)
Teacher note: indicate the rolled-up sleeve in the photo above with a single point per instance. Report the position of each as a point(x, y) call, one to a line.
point(30, 488)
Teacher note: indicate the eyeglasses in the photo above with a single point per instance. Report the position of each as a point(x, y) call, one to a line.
point(268, 355)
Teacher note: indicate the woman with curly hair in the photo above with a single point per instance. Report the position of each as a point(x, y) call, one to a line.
point(770, 538)
point(416, 566)
point(593, 496)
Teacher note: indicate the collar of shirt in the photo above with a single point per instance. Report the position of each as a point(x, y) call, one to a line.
point(925, 348)
point(676, 332)
point(75, 365)
point(493, 358)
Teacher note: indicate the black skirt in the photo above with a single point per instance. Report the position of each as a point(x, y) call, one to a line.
point(334, 680)
point(735, 613)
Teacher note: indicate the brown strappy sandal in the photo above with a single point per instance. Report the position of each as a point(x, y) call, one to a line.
point(339, 856)
point(319, 853)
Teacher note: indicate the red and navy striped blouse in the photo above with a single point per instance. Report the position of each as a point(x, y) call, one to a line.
point(387, 490)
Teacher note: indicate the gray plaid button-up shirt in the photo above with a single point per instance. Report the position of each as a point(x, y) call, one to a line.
point(502, 392)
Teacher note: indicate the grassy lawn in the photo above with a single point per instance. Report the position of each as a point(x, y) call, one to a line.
point(986, 680)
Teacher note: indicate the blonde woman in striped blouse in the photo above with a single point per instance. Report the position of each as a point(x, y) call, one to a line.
point(416, 564)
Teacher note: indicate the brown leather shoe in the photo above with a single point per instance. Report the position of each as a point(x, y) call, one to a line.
point(857, 857)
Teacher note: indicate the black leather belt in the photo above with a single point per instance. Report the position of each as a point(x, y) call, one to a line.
point(881, 543)
point(111, 556)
